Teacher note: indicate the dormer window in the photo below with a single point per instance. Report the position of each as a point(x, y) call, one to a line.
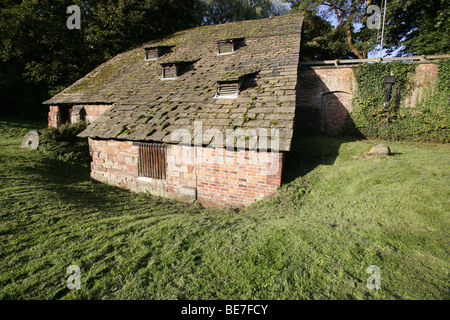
point(230, 84)
point(169, 71)
point(225, 47)
point(174, 69)
point(228, 89)
point(153, 53)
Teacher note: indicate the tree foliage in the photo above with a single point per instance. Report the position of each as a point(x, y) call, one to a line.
point(39, 55)
point(221, 11)
point(421, 27)
point(321, 41)
point(414, 26)
point(347, 12)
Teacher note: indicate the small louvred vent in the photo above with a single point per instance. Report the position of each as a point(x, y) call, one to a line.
point(228, 89)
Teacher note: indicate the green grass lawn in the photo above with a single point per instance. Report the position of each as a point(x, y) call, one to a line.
point(339, 214)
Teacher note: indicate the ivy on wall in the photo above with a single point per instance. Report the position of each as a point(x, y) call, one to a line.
point(426, 121)
point(444, 76)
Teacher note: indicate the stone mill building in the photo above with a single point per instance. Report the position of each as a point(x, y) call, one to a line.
point(205, 114)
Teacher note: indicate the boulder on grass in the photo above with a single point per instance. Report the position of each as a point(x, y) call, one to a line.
point(30, 140)
point(380, 149)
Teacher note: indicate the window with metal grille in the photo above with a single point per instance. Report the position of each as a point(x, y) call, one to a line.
point(169, 71)
point(151, 54)
point(225, 46)
point(152, 160)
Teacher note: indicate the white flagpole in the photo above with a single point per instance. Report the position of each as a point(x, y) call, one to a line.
point(382, 30)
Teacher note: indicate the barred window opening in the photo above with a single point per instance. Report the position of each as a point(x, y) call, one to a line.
point(152, 160)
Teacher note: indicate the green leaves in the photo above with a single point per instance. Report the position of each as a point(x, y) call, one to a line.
point(421, 26)
point(39, 55)
point(426, 120)
point(444, 75)
point(63, 144)
point(221, 11)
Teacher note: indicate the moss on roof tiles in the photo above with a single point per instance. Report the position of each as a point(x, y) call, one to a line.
point(238, 74)
point(148, 109)
point(280, 25)
point(116, 69)
point(126, 70)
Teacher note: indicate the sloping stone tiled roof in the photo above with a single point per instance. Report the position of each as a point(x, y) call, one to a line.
point(146, 108)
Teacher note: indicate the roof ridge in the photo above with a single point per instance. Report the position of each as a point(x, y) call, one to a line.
point(240, 32)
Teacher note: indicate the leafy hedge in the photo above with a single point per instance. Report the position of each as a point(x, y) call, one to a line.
point(63, 144)
point(426, 121)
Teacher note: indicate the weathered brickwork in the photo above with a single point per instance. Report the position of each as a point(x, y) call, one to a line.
point(93, 111)
point(214, 177)
point(181, 173)
point(60, 114)
point(237, 177)
point(324, 95)
point(114, 162)
point(324, 98)
point(334, 111)
point(426, 74)
point(53, 116)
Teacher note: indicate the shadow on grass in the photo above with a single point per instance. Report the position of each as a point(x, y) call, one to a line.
point(309, 150)
point(72, 185)
point(10, 128)
point(23, 123)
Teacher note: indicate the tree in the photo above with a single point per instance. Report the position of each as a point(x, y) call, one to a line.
point(347, 12)
point(40, 56)
point(117, 25)
point(321, 41)
point(415, 26)
point(421, 27)
point(221, 11)
point(38, 53)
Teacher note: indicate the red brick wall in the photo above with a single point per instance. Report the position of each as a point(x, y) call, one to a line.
point(53, 116)
point(181, 173)
point(93, 111)
point(325, 94)
point(59, 114)
point(324, 98)
point(237, 177)
point(114, 162)
point(215, 177)
point(314, 82)
point(335, 108)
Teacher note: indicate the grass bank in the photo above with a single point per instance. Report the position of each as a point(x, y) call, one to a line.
point(338, 214)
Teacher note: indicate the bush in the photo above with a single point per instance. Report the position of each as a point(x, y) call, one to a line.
point(63, 144)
